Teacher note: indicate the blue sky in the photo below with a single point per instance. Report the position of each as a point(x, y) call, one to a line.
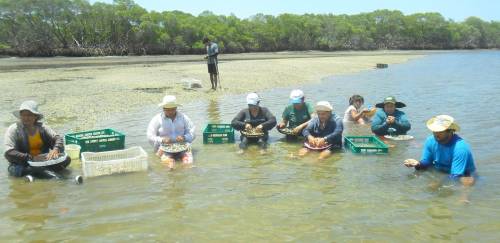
point(457, 10)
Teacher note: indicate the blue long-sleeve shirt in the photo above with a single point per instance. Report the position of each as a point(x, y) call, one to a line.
point(381, 128)
point(332, 131)
point(454, 158)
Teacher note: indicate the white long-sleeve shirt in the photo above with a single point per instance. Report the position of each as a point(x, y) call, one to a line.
point(162, 126)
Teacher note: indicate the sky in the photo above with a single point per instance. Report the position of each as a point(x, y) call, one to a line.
point(457, 10)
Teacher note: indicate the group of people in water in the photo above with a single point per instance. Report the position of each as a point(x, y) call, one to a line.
point(322, 130)
point(318, 125)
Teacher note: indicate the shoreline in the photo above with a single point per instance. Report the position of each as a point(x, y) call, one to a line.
point(12, 63)
point(84, 95)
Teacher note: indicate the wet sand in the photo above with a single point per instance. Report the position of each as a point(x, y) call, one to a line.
point(78, 92)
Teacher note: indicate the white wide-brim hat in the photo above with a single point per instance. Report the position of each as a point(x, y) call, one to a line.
point(442, 123)
point(169, 101)
point(29, 105)
point(323, 106)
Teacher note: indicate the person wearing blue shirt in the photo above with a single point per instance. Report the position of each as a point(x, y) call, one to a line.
point(446, 151)
point(323, 132)
point(212, 62)
point(389, 120)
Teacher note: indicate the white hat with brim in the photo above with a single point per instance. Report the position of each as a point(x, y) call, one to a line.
point(169, 101)
point(323, 106)
point(442, 123)
point(30, 106)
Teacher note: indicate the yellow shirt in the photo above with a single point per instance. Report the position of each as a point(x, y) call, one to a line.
point(35, 143)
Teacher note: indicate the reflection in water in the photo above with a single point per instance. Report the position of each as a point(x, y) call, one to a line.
point(213, 111)
point(32, 202)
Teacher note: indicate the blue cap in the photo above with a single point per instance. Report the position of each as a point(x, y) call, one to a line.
point(296, 100)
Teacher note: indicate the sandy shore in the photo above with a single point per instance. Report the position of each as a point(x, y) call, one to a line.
point(84, 90)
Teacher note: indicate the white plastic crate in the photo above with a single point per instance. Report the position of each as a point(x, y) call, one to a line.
point(117, 161)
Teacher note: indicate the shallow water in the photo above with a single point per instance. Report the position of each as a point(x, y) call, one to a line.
point(251, 197)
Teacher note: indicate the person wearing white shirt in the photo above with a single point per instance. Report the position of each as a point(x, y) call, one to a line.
point(171, 126)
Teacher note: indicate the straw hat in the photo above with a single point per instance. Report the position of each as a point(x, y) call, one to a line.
point(253, 99)
point(30, 106)
point(391, 99)
point(442, 123)
point(296, 96)
point(169, 101)
point(323, 106)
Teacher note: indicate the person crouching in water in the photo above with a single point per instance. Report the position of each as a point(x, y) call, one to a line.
point(324, 130)
point(356, 113)
point(445, 151)
point(27, 140)
point(254, 117)
point(297, 114)
point(389, 120)
point(171, 126)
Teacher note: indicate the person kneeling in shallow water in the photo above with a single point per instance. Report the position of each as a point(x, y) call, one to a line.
point(325, 130)
point(28, 140)
point(446, 151)
point(389, 120)
point(298, 114)
point(255, 118)
point(171, 126)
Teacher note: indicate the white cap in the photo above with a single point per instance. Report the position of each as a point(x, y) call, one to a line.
point(296, 96)
point(323, 106)
point(253, 99)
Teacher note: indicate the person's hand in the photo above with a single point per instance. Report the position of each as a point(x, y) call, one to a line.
point(297, 130)
point(321, 142)
point(311, 140)
point(248, 126)
point(179, 139)
point(53, 154)
point(166, 140)
point(281, 125)
point(411, 163)
point(390, 120)
point(259, 128)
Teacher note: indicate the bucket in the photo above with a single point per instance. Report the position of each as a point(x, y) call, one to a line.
point(73, 150)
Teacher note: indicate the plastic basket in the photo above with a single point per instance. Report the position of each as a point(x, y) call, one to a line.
point(366, 144)
point(218, 134)
point(97, 140)
point(111, 162)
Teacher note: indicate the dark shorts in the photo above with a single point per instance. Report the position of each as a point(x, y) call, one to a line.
point(17, 170)
point(212, 69)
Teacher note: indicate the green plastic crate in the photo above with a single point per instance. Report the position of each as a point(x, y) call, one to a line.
point(218, 134)
point(366, 144)
point(97, 140)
